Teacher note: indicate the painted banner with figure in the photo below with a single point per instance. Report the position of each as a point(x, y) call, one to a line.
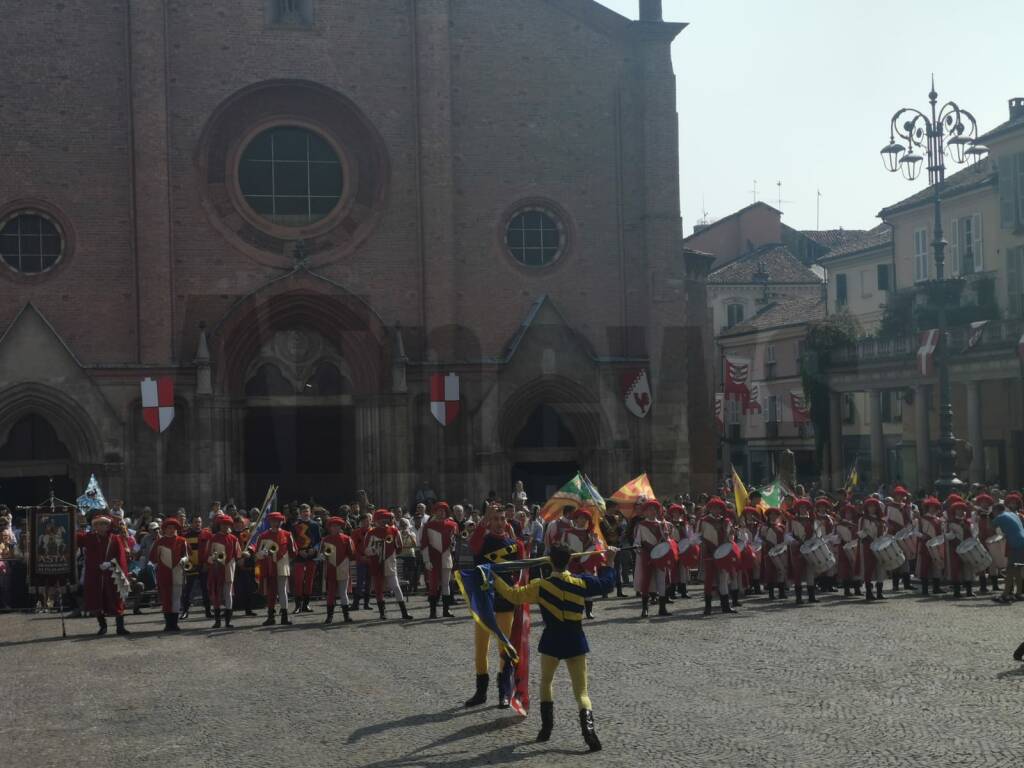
point(50, 546)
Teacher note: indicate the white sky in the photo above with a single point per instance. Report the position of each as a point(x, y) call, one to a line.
point(802, 91)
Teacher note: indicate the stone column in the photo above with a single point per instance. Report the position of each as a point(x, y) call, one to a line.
point(921, 429)
point(974, 431)
point(835, 440)
point(877, 441)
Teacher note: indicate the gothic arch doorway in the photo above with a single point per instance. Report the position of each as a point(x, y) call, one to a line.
point(299, 422)
point(545, 454)
point(31, 454)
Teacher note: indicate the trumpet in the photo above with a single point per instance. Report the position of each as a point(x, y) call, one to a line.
point(464, 533)
point(389, 539)
point(270, 547)
point(220, 558)
point(328, 551)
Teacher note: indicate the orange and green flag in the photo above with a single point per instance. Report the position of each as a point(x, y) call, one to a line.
point(628, 495)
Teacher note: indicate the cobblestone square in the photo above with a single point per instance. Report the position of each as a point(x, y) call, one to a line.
point(842, 683)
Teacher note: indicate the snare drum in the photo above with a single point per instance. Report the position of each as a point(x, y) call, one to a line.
point(750, 556)
point(818, 555)
point(907, 539)
point(727, 557)
point(973, 555)
point(937, 551)
point(689, 552)
point(888, 553)
point(779, 555)
point(664, 554)
point(996, 546)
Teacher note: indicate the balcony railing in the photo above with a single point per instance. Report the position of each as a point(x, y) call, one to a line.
point(998, 334)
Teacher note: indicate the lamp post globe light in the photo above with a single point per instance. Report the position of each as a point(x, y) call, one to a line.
point(941, 131)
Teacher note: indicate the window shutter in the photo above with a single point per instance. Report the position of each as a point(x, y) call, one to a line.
point(979, 261)
point(954, 247)
point(1013, 286)
point(1019, 190)
point(1007, 198)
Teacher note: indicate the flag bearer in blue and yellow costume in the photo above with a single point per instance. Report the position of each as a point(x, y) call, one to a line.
point(494, 541)
point(561, 597)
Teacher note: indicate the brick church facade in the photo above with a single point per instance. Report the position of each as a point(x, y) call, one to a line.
point(301, 210)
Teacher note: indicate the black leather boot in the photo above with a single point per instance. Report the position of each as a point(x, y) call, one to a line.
point(432, 601)
point(735, 595)
point(969, 586)
point(380, 610)
point(216, 618)
point(119, 623)
point(618, 593)
point(344, 613)
point(811, 598)
point(757, 588)
point(662, 610)
point(1018, 655)
point(589, 733)
point(227, 619)
point(846, 589)
point(895, 583)
point(505, 686)
point(330, 615)
point(298, 606)
point(480, 696)
point(271, 621)
point(937, 587)
point(907, 584)
point(682, 591)
point(878, 591)
point(206, 608)
point(547, 719)
point(924, 587)
point(771, 592)
point(102, 621)
point(983, 584)
point(783, 592)
point(870, 592)
point(588, 609)
point(856, 588)
point(995, 582)
point(446, 607)
point(174, 623)
point(956, 590)
point(644, 601)
point(670, 593)
point(406, 616)
point(707, 605)
point(799, 590)
point(305, 605)
point(284, 618)
point(726, 608)
point(167, 622)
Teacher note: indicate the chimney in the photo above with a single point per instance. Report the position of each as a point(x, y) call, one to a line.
point(650, 10)
point(1016, 105)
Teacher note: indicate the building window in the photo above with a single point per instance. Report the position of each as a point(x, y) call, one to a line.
point(883, 277)
point(535, 237)
point(290, 176)
point(734, 315)
point(865, 283)
point(1015, 280)
point(1011, 191)
point(772, 413)
point(30, 242)
point(289, 13)
point(965, 245)
point(849, 408)
point(891, 401)
point(920, 255)
point(841, 298)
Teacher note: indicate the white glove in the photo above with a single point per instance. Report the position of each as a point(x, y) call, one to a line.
point(320, 558)
point(104, 566)
point(950, 535)
point(261, 554)
point(789, 539)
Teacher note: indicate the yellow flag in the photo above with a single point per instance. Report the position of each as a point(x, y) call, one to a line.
point(739, 491)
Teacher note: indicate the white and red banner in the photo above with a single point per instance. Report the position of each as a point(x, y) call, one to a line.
point(1020, 349)
point(754, 405)
point(736, 377)
point(926, 352)
point(799, 406)
point(444, 397)
point(977, 332)
point(636, 392)
point(158, 402)
point(720, 411)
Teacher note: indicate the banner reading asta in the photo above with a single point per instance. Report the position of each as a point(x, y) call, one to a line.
point(51, 546)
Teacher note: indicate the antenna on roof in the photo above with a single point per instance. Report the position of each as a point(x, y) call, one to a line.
point(781, 201)
point(817, 212)
point(754, 190)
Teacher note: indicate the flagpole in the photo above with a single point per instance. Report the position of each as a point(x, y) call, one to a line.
point(160, 474)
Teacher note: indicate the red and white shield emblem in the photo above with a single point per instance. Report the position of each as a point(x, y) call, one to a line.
point(158, 402)
point(637, 392)
point(444, 397)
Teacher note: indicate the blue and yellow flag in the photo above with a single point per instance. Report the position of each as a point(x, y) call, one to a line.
point(477, 587)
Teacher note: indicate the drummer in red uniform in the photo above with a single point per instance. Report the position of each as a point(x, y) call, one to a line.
point(930, 526)
point(582, 539)
point(848, 557)
point(773, 534)
point(983, 519)
point(825, 526)
point(105, 554)
point(687, 547)
point(872, 528)
point(169, 555)
point(650, 571)
point(801, 529)
point(715, 530)
point(958, 530)
point(898, 517)
point(751, 550)
point(336, 553)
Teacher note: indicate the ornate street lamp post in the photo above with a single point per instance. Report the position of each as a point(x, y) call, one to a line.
point(947, 130)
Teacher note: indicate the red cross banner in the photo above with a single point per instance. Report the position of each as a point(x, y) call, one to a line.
point(158, 402)
point(926, 352)
point(636, 392)
point(444, 398)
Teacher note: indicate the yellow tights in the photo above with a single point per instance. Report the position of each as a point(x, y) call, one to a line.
point(577, 667)
point(482, 640)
